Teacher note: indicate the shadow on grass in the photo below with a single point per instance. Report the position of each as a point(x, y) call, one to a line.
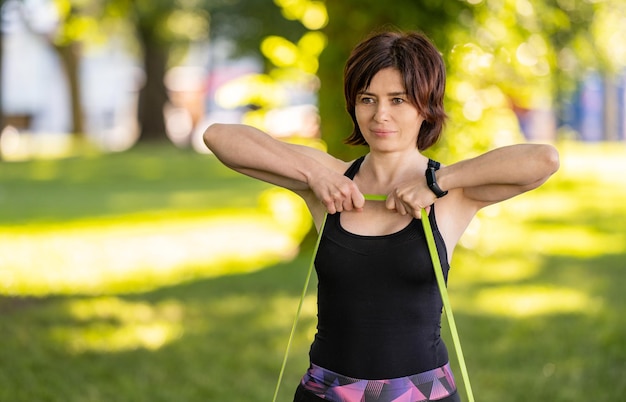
point(232, 332)
point(552, 356)
point(223, 338)
point(230, 338)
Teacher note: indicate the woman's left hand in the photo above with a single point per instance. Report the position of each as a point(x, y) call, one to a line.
point(410, 198)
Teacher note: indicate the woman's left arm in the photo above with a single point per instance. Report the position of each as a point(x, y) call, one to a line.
point(478, 182)
point(501, 173)
point(475, 183)
point(487, 179)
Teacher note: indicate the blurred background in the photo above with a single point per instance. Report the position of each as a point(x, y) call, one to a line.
point(119, 72)
point(133, 266)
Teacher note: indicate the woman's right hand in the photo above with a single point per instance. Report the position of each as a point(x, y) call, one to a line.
point(336, 192)
point(312, 173)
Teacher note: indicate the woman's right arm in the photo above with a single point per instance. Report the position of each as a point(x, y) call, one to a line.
point(307, 171)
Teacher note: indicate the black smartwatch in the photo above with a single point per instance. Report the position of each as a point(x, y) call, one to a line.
point(431, 180)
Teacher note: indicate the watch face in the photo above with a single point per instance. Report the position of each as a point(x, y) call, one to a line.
point(430, 176)
point(431, 180)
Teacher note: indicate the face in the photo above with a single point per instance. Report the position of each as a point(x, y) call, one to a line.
point(386, 118)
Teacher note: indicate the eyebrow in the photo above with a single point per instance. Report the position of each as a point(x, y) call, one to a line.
point(388, 94)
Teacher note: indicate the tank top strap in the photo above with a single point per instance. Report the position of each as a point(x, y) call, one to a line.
point(354, 168)
point(356, 165)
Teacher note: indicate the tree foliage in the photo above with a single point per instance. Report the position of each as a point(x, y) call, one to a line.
point(160, 27)
point(350, 22)
point(502, 56)
point(160, 31)
point(75, 26)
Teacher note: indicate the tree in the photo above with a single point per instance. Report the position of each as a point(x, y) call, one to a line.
point(74, 27)
point(160, 26)
point(288, 37)
point(162, 30)
point(1, 69)
point(165, 28)
point(498, 52)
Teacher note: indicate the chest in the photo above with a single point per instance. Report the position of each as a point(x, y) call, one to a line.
point(374, 220)
point(349, 263)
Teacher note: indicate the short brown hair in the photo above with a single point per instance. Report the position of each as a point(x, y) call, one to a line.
point(422, 69)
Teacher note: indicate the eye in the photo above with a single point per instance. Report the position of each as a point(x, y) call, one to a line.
point(397, 101)
point(366, 100)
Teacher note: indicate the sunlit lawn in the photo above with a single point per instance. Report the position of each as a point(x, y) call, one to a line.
point(158, 275)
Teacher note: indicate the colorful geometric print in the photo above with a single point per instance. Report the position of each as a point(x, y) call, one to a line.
point(430, 385)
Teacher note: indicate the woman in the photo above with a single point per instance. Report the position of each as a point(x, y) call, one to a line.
point(379, 310)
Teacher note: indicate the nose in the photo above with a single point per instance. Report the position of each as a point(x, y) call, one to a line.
point(382, 112)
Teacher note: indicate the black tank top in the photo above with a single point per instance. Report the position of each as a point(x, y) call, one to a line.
point(379, 307)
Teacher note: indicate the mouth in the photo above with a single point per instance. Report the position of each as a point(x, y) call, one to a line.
point(382, 132)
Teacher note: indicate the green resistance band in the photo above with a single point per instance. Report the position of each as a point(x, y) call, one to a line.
point(299, 310)
point(432, 248)
point(440, 282)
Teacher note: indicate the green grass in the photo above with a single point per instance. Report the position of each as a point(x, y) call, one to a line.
point(147, 180)
point(136, 221)
point(537, 286)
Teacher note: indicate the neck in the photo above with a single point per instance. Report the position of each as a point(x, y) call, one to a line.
point(380, 171)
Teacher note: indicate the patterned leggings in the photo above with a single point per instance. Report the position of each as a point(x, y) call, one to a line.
point(319, 384)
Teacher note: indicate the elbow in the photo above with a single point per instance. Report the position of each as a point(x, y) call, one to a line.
point(550, 159)
point(545, 164)
point(211, 134)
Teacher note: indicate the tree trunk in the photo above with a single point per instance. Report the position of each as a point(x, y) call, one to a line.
point(1, 69)
point(70, 61)
point(1, 83)
point(153, 95)
point(611, 107)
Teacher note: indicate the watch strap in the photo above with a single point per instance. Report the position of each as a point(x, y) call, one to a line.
point(434, 164)
point(431, 180)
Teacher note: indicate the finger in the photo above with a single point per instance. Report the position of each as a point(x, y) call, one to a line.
point(347, 201)
point(329, 204)
point(418, 212)
point(339, 206)
point(390, 204)
point(399, 206)
point(346, 205)
point(337, 199)
point(358, 200)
